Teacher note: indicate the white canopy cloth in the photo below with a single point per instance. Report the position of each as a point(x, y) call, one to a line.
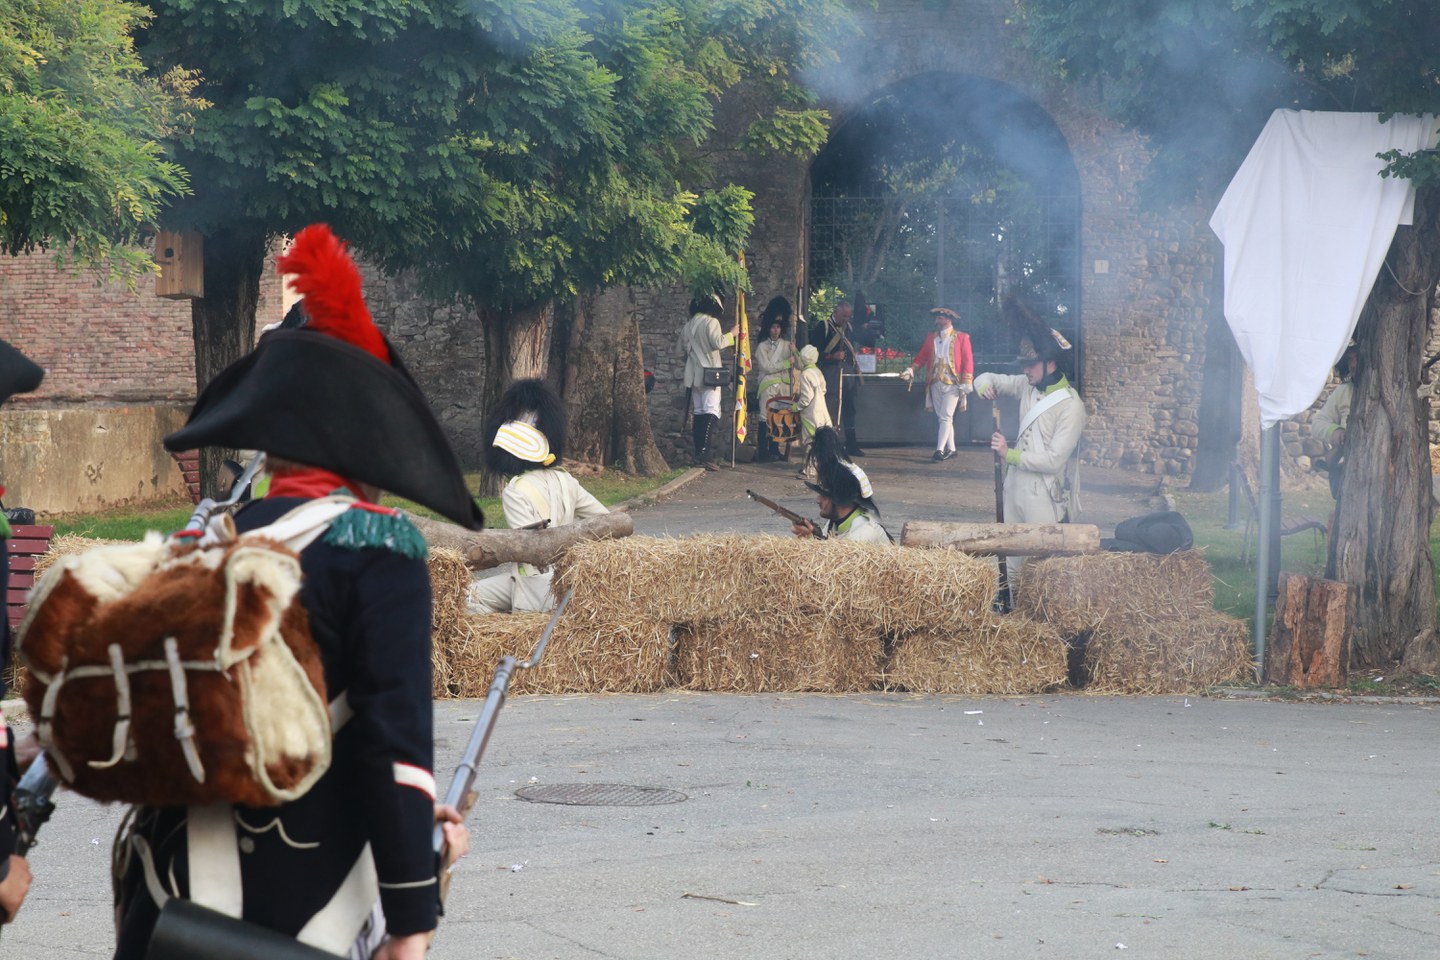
point(1306, 223)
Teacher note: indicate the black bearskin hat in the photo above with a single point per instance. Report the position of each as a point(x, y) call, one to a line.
point(778, 311)
point(709, 304)
point(534, 403)
point(1342, 366)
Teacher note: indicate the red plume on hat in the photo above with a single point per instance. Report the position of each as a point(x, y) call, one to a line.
point(326, 276)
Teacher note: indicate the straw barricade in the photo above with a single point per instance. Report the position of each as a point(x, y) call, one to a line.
point(1148, 621)
point(995, 655)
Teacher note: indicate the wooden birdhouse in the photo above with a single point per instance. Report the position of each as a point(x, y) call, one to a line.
point(182, 265)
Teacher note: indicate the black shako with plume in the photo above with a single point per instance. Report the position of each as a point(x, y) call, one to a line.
point(333, 393)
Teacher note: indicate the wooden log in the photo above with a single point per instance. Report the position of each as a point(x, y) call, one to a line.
point(1003, 539)
point(484, 549)
point(1310, 640)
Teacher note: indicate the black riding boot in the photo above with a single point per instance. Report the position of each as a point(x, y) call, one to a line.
point(697, 435)
point(764, 446)
point(852, 449)
point(705, 454)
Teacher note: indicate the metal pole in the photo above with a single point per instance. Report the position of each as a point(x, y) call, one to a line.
point(1276, 516)
point(1232, 518)
point(1264, 555)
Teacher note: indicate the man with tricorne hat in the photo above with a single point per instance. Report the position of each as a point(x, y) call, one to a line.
point(525, 438)
point(844, 496)
point(949, 376)
point(348, 867)
point(1038, 488)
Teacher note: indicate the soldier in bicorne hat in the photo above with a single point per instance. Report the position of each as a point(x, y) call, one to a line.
point(843, 494)
point(1039, 480)
point(349, 865)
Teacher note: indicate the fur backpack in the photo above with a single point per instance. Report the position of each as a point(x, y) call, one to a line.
point(181, 670)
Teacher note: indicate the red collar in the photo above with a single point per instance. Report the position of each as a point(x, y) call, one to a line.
point(309, 483)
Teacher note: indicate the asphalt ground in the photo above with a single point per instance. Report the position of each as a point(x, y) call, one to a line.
point(889, 825)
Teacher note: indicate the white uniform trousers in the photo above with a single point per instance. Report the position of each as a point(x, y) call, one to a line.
point(944, 397)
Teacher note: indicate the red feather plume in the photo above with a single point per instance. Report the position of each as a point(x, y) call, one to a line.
point(326, 276)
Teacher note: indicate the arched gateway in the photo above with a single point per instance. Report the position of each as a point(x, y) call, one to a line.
point(950, 190)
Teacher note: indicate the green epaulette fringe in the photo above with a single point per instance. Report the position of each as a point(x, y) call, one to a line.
point(4, 527)
point(360, 529)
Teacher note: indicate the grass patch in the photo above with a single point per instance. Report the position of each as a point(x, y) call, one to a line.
point(130, 523)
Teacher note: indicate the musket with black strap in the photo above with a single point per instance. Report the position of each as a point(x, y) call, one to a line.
point(1005, 597)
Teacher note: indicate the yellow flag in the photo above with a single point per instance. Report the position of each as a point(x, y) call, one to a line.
point(742, 360)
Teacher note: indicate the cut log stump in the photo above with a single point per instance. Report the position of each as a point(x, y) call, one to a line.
point(1310, 641)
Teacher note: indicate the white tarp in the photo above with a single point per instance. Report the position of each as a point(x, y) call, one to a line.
point(1306, 224)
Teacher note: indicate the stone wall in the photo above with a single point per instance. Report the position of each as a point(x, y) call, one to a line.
point(443, 347)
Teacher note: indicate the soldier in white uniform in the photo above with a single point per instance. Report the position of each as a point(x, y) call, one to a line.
point(527, 437)
point(810, 402)
point(1038, 486)
point(773, 360)
point(844, 496)
point(701, 341)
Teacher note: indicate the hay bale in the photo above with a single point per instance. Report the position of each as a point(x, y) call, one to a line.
point(583, 656)
point(873, 589)
point(996, 655)
point(749, 655)
point(67, 545)
point(1101, 590)
point(449, 582)
point(1181, 656)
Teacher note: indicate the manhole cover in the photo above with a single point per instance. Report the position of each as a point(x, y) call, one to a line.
point(599, 794)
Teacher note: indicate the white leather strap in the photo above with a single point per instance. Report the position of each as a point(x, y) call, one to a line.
point(213, 858)
point(1046, 402)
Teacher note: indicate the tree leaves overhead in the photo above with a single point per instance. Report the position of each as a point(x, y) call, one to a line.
point(81, 164)
point(1203, 77)
point(513, 151)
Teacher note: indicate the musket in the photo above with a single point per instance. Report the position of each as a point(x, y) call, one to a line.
point(1005, 597)
point(790, 515)
point(461, 794)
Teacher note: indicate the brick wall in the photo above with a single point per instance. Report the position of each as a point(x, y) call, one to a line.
point(97, 342)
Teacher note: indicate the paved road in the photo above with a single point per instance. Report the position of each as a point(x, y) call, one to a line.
point(923, 827)
point(823, 827)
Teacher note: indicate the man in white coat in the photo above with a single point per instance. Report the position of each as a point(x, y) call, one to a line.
point(527, 439)
point(1038, 486)
point(844, 496)
point(701, 341)
point(773, 362)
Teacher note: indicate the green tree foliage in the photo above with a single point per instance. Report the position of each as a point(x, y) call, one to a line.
point(1202, 78)
point(81, 165)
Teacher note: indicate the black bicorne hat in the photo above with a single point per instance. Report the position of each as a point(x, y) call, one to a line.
point(316, 400)
point(324, 394)
point(18, 373)
point(840, 480)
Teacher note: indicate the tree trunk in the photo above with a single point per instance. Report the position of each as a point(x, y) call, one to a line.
point(1220, 393)
point(1310, 644)
point(484, 549)
point(223, 321)
point(517, 346)
point(605, 386)
point(1382, 529)
point(1003, 539)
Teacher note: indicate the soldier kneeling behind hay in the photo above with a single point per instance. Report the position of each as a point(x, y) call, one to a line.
point(844, 495)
